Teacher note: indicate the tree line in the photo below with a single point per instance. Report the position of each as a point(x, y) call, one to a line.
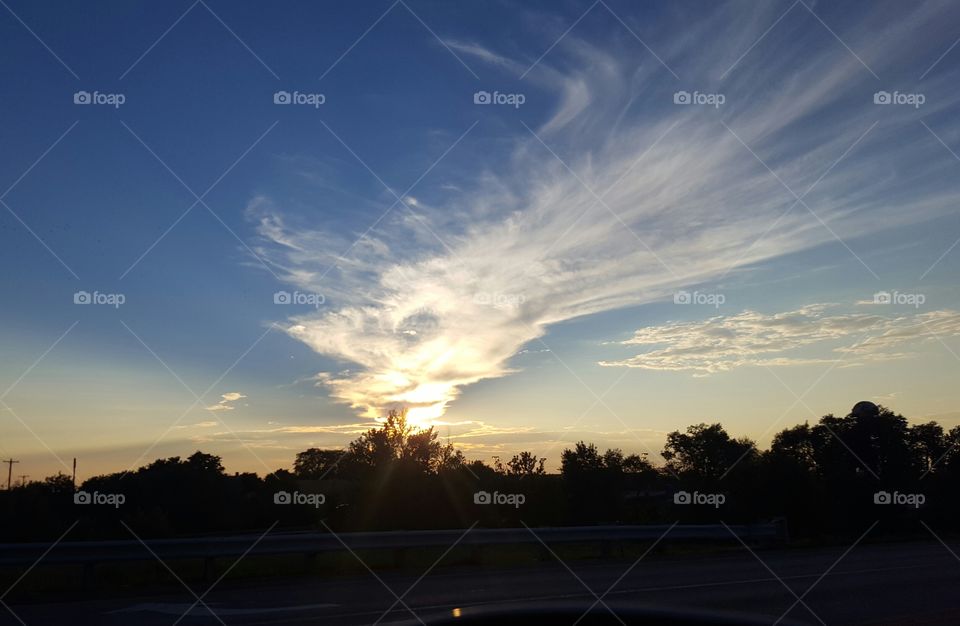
point(827, 479)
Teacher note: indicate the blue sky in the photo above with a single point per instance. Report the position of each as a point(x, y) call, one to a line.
point(517, 272)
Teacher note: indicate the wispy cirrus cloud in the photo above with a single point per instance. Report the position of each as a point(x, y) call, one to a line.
point(750, 338)
point(620, 197)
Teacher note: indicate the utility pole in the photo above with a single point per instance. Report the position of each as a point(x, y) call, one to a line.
point(23, 479)
point(74, 473)
point(9, 463)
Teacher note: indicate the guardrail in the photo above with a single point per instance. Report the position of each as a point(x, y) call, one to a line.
point(90, 553)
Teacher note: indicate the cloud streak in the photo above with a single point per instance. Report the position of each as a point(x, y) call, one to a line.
point(723, 343)
point(616, 199)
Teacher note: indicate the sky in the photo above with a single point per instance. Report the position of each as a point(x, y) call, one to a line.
point(254, 228)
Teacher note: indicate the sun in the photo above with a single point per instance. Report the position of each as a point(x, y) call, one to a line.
point(423, 416)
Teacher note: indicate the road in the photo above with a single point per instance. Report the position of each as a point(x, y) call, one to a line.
point(913, 583)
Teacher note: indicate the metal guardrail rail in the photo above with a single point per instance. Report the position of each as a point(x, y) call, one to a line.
point(94, 552)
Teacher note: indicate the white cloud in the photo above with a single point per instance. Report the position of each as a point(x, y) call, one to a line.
point(749, 338)
point(207, 424)
point(415, 320)
point(226, 401)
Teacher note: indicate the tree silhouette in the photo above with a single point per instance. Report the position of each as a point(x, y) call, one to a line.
point(706, 452)
point(315, 463)
point(820, 476)
point(928, 444)
point(524, 464)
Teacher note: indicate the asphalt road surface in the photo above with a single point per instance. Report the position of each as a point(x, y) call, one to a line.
point(917, 583)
